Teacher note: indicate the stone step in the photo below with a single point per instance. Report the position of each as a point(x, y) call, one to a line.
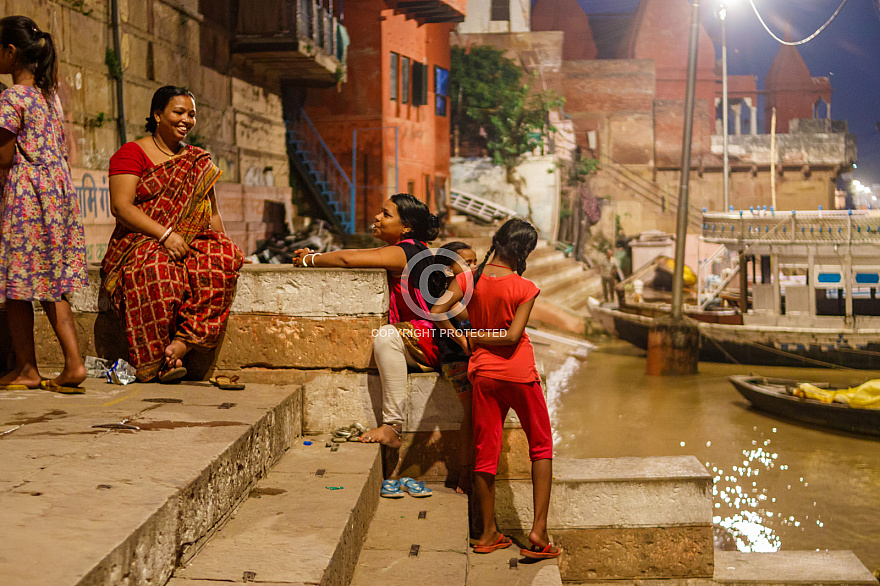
point(792, 568)
point(622, 518)
point(304, 523)
point(563, 280)
point(433, 416)
point(550, 264)
point(508, 567)
point(120, 504)
point(416, 541)
point(282, 317)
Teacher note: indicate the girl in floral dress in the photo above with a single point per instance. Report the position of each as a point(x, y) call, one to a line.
point(42, 244)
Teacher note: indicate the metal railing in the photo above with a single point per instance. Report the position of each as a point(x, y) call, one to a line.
point(479, 207)
point(322, 168)
point(646, 189)
point(317, 24)
point(723, 265)
point(794, 227)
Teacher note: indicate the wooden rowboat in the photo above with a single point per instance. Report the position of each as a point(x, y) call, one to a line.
point(773, 395)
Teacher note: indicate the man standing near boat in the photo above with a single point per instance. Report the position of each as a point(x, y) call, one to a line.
point(609, 268)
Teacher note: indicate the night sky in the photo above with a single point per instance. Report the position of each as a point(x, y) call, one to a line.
point(848, 50)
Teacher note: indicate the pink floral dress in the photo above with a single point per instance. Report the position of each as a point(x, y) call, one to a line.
point(42, 243)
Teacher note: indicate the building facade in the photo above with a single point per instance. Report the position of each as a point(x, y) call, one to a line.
point(388, 126)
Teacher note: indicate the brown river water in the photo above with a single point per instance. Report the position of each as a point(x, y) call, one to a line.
point(779, 485)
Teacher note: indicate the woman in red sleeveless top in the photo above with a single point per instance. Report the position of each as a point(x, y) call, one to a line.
point(406, 225)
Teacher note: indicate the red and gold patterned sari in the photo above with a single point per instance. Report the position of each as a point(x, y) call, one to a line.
point(159, 298)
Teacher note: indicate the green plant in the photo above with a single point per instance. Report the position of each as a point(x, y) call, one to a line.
point(493, 107)
point(95, 122)
point(580, 169)
point(114, 65)
point(80, 6)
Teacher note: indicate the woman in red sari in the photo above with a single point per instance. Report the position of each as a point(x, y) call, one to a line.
point(169, 269)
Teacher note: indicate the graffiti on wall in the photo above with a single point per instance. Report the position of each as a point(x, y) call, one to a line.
point(93, 190)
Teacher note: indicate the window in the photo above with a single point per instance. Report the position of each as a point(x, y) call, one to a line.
point(394, 58)
point(500, 10)
point(419, 84)
point(441, 90)
point(404, 80)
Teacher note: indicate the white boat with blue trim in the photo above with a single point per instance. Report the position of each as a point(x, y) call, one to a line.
point(811, 279)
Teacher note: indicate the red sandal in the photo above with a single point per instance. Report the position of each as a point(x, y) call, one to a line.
point(541, 554)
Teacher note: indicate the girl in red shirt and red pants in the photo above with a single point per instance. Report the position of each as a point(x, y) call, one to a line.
point(504, 375)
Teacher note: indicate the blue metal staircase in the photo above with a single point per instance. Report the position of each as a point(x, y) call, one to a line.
point(321, 173)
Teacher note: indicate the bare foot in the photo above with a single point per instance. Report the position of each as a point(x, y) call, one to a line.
point(465, 479)
point(541, 541)
point(384, 434)
point(489, 538)
point(174, 353)
point(71, 377)
point(30, 379)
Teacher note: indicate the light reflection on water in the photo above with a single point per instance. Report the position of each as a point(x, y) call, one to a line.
point(777, 484)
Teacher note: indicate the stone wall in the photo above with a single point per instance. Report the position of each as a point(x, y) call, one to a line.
point(240, 124)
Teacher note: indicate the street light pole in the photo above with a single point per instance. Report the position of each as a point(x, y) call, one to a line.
point(722, 14)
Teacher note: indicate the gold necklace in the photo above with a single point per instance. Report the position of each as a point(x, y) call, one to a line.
point(161, 149)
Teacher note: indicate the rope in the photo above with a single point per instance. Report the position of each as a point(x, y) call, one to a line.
point(808, 39)
point(793, 355)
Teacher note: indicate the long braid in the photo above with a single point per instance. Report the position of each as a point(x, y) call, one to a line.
point(480, 268)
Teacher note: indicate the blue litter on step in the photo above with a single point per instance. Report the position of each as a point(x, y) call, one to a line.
point(334, 487)
point(307, 443)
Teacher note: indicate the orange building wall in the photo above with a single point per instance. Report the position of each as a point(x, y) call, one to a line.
point(364, 103)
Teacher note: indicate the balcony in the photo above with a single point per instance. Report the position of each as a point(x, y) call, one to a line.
point(291, 39)
point(430, 11)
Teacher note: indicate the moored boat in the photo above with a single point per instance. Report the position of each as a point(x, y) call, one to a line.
point(809, 280)
point(775, 395)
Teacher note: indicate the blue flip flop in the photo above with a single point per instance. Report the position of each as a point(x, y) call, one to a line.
point(415, 488)
point(391, 489)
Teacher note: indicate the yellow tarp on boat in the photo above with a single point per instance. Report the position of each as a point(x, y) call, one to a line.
point(864, 396)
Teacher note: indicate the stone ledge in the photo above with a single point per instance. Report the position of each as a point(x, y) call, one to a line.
point(635, 553)
point(283, 290)
point(616, 492)
point(733, 568)
point(268, 341)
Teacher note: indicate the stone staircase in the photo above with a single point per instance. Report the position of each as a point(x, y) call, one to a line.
point(189, 485)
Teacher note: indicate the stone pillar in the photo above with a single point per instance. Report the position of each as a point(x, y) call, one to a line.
point(753, 120)
point(737, 118)
point(673, 348)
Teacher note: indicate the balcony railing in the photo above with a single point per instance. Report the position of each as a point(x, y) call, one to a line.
point(294, 39)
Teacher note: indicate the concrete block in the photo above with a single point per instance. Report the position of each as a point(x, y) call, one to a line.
point(616, 492)
point(622, 518)
point(297, 342)
point(432, 404)
point(634, 553)
point(734, 568)
point(285, 290)
point(336, 399)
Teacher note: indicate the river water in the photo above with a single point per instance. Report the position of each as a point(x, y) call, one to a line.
point(779, 485)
